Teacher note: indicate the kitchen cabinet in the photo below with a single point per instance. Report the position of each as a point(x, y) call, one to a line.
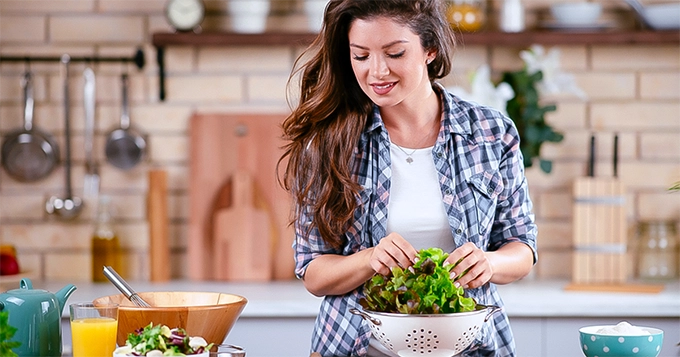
point(520, 39)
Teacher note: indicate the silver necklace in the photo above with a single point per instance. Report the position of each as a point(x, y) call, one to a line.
point(409, 159)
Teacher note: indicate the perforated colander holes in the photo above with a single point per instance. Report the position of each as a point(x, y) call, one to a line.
point(423, 341)
point(467, 337)
point(381, 337)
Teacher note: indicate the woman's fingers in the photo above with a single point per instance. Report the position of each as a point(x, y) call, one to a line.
point(393, 250)
point(471, 267)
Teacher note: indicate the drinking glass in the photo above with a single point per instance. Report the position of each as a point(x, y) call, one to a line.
point(228, 351)
point(93, 329)
point(658, 244)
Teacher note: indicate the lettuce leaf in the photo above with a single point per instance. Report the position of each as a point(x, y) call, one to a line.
point(423, 288)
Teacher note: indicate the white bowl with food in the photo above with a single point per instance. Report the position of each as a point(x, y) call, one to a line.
point(433, 335)
point(621, 340)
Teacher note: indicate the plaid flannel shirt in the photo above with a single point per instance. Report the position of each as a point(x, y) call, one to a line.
point(484, 192)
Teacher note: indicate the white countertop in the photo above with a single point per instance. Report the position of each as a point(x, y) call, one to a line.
point(527, 298)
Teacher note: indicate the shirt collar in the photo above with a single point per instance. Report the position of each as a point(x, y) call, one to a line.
point(455, 119)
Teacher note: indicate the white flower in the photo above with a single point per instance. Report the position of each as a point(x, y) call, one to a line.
point(484, 92)
point(196, 342)
point(554, 80)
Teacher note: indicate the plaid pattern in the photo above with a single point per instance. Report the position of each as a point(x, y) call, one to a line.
point(485, 193)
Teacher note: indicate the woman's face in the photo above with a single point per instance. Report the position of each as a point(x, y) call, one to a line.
point(388, 61)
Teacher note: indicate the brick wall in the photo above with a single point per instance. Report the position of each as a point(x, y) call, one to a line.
point(633, 90)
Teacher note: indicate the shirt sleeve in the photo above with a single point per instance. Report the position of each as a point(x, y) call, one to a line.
point(514, 221)
point(308, 245)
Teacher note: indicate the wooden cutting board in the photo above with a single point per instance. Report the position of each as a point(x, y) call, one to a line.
point(221, 145)
point(242, 236)
point(157, 213)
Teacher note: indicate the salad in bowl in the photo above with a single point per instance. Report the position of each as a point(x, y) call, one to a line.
point(160, 340)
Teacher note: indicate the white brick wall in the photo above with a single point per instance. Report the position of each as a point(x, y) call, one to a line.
point(633, 90)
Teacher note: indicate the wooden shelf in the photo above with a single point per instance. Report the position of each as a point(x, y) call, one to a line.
point(521, 39)
point(231, 39)
point(571, 38)
point(479, 38)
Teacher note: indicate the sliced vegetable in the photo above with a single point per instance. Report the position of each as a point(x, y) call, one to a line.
point(423, 288)
point(160, 340)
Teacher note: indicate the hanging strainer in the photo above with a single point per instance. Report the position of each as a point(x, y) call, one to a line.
point(434, 335)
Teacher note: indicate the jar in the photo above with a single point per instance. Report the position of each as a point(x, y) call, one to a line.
point(466, 15)
point(105, 242)
point(657, 250)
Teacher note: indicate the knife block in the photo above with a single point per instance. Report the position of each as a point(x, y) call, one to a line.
point(599, 232)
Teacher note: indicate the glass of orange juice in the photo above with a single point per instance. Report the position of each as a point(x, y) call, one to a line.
point(93, 329)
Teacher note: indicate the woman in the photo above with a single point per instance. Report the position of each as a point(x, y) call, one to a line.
point(382, 161)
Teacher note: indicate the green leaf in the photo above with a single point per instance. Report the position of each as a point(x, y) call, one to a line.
point(528, 115)
point(6, 333)
point(546, 166)
point(675, 187)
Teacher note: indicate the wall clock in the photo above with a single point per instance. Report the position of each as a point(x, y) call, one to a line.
point(185, 15)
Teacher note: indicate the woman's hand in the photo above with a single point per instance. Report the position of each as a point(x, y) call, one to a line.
point(472, 267)
point(476, 267)
point(393, 250)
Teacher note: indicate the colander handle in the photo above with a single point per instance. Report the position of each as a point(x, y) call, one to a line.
point(366, 316)
point(493, 309)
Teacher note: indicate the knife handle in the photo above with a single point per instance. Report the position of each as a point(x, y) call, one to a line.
point(591, 157)
point(615, 156)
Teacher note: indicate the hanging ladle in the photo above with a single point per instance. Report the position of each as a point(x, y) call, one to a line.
point(68, 207)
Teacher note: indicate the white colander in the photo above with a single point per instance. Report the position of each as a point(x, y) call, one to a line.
point(434, 335)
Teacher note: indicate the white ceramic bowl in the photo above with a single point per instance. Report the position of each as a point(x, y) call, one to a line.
point(249, 16)
point(663, 16)
point(576, 13)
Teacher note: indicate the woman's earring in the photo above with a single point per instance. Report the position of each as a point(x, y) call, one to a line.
point(429, 61)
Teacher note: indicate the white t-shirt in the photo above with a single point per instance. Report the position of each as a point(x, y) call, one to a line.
point(416, 210)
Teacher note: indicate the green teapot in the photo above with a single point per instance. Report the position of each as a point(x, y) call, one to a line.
point(36, 314)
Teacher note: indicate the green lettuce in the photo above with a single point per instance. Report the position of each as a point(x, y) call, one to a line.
point(423, 288)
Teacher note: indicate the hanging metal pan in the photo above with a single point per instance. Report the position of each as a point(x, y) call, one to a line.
point(29, 154)
point(125, 147)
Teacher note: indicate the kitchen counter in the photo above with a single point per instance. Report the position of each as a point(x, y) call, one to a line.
point(544, 317)
point(526, 298)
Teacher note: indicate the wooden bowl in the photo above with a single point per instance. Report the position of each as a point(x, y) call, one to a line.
point(205, 314)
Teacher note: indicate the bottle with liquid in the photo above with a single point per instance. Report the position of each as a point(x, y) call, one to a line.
point(105, 243)
point(657, 251)
point(466, 15)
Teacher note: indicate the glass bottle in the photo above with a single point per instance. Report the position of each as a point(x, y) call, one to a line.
point(466, 15)
point(657, 250)
point(105, 243)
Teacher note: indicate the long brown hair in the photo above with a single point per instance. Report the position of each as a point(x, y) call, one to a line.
point(323, 130)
